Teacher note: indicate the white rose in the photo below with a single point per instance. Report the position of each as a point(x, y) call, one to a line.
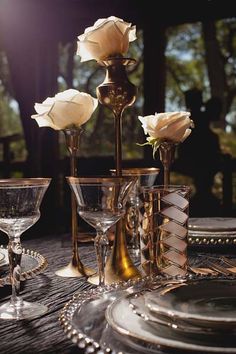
point(107, 37)
point(70, 108)
point(170, 126)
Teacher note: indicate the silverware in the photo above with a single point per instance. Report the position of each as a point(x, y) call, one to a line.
point(229, 262)
point(220, 269)
point(200, 270)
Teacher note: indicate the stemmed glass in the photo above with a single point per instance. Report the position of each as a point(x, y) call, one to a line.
point(101, 203)
point(20, 200)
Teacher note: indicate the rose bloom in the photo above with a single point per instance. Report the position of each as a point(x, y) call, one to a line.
point(70, 108)
point(106, 38)
point(170, 126)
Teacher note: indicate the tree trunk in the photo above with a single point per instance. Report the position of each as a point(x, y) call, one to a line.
point(215, 66)
point(154, 71)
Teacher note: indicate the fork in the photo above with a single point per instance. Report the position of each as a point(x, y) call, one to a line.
point(220, 269)
point(231, 263)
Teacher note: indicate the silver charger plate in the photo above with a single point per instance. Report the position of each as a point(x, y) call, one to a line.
point(32, 263)
point(84, 322)
point(212, 230)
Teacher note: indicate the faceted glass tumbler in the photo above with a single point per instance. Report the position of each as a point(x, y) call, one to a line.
point(165, 213)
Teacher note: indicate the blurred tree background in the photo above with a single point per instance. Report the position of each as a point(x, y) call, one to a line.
point(194, 54)
point(198, 55)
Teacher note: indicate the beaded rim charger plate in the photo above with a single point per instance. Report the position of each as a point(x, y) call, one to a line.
point(101, 320)
point(212, 230)
point(32, 263)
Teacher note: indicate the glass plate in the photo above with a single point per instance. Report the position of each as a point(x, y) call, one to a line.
point(208, 303)
point(32, 263)
point(83, 320)
point(137, 303)
point(121, 318)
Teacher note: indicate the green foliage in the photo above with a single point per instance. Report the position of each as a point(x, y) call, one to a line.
point(186, 67)
point(9, 114)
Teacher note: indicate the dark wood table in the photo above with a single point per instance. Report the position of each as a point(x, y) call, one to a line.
point(45, 334)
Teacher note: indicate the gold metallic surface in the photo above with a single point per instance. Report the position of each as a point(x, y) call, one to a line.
point(117, 93)
point(75, 268)
point(119, 266)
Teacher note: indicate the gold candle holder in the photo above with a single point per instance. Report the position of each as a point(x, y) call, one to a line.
point(117, 93)
point(75, 268)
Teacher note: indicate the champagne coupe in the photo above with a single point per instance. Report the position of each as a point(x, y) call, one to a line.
point(20, 200)
point(101, 203)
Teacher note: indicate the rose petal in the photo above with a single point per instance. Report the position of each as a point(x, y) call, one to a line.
point(49, 101)
point(172, 126)
point(66, 95)
point(44, 121)
point(42, 108)
point(107, 37)
point(68, 108)
point(176, 130)
point(186, 134)
point(64, 114)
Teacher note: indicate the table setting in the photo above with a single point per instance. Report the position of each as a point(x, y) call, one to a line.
point(147, 293)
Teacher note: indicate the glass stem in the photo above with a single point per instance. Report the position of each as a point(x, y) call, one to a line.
point(72, 137)
point(14, 255)
point(101, 246)
point(136, 224)
point(132, 215)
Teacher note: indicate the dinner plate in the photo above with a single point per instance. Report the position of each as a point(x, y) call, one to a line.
point(32, 263)
point(208, 303)
point(212, 230)
point(137, 303)
point(121, 318)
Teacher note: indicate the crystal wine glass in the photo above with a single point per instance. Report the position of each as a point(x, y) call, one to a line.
point(20, 200)
point(101, 203)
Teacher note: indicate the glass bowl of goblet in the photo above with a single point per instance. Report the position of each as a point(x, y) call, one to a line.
point(20, 200)
point(101, 203)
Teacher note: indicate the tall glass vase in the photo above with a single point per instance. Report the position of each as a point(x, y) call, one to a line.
point(117, 93)
point(75, 268)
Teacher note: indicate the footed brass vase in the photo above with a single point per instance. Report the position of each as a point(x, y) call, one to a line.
point(117, 93)
point(167, 154)
point(75, 268)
